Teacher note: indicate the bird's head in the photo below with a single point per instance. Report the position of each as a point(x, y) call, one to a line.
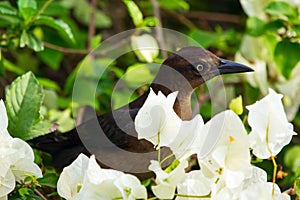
point(187, 69)
point(197, 65)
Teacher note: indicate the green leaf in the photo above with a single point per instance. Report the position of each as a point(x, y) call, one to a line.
point(282, 10)
point(8, 20)
point(29, 39)
point(51, 57)
point(298, 171)
point(138, 74)
point(95, 41)
point(50, 99)
point(292, 158)
point(273, 26)
point(2, 71)
point(28, 13)
point(8, 15)
point(27, 4)
point(205, 39)
point(12, 67)
point(297, 30)
point(82, 10)
point(174, 5)
point(6, 9)
point(47, 83)
point(102, 20)
point(286, 56)
point(134, 12)
point(150, 21)
point(255, 26)
point(55, 8)
point(297, 186)
point(63, 118)
point(56, 24)
point(49, 180)
point(23, 101)
point(23, 192)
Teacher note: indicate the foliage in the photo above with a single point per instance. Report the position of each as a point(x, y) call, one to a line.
point(43, 43)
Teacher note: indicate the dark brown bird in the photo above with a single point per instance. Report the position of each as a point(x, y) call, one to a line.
point(112, 136)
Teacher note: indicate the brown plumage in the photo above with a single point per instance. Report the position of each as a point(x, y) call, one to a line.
point(115, 142)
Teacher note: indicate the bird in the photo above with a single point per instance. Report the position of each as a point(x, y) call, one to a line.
point(112, 138)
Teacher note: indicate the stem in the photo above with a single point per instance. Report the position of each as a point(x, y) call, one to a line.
point(65, 50)
point(158, 150)
point(41, 11)
point(274, 172)
point(272, 157)
point(193, 196)
point(153, 198)
point(158, 155)
point(40, 194)
point(245, 119)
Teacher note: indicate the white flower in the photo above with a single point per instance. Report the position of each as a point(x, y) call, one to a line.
point(263, 191)
point(254, 8)
point(3, 123)
point(291, 90)
point(71, 179)
point(189, 140)
point(167, 182)
point(229, 161)
point(156, 121)
point(232, 149)
point(85, 179)
point(195, 184)
point(254, 55)
point(16, 158)
point(271, 130)
point(98, 183)
point(257, 187)
point(258, 175)
point(145, 47)
point(130, 187)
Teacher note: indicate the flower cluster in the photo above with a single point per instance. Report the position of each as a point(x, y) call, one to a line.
point(84, 179)
point(16, 158)
point(222, 146)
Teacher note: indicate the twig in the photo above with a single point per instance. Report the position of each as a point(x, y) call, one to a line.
point(47, 3)
point(212, 16)
point(40, 194)
point(159, 33)
point(92, 23)
point(65, 50)
point(183, 19)
point(274, 172)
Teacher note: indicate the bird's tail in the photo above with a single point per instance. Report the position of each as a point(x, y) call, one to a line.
point(64, 147)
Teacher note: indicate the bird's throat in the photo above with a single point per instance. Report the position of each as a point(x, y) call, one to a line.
point(182, 105)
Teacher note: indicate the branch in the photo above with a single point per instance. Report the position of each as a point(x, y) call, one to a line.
point(40, 194)
point(182, 18)
point(65, 50)
point(92, 23)
point(212, 16)
point(47, 3)
point(159, 33)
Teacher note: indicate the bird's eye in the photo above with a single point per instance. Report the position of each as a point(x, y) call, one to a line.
point(199, 67)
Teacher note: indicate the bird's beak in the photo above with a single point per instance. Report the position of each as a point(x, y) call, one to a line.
point(230, 67)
